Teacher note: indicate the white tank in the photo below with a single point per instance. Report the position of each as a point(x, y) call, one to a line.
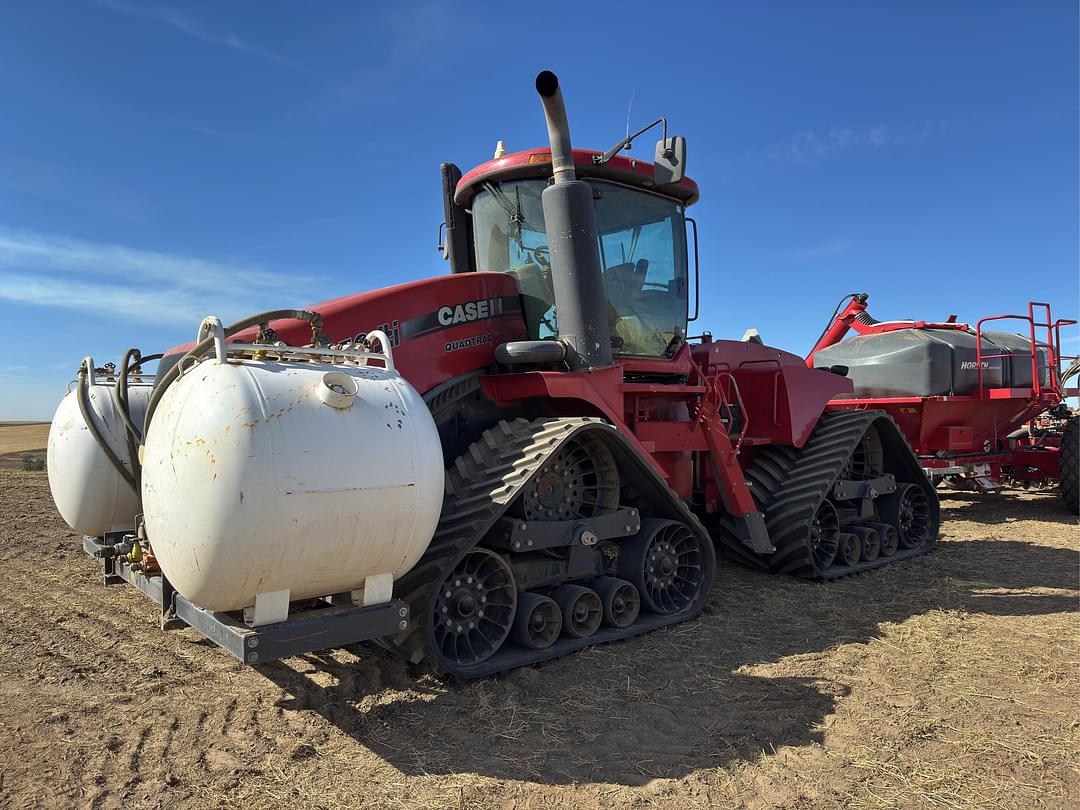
point(89, 492)
point(271, 476)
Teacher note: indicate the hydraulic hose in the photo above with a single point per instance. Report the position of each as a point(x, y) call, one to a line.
point(835, 312)
point(123, 405)
point(121, 390)
point(200, 348)
point(83, 396)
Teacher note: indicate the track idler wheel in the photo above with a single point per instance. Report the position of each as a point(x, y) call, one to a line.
point(824, 536)
point(582, 611)
point(850, 548)
point(620, 600)
point(890, 538)
point(869, 542)
point(909, 511)
point(666, 563)
point(474, 609)
point(538, 621)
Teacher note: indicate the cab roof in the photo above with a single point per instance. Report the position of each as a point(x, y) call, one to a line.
point(537, 163)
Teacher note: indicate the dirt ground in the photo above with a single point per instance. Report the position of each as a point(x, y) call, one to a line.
point(21, 438)
point(948, 681)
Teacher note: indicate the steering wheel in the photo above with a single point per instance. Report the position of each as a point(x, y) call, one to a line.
point(541, 256)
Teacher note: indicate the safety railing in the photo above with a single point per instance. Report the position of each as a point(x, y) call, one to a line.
point(717, 383)
point(1051, 345)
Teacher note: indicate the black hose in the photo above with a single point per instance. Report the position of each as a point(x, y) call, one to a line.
point(835, 312)
point(82, 394)
point(120, 393)
point(123, 402)
point(200, 348)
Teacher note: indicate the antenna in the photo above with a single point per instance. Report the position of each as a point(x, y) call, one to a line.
point(629, 107)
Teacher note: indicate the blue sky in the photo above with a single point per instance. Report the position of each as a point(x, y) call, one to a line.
point(164, 160)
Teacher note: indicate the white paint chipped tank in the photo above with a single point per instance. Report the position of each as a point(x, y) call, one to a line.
point(264, 476)
point(90, 493)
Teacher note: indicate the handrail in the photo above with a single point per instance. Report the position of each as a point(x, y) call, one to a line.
point(725, 401)
point(1035, 388)
point(1052, 344)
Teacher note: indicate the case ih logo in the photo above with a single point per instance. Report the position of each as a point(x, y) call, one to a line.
point(392, 330)
point(457, 314)
point(470, 311)
point(448, 317)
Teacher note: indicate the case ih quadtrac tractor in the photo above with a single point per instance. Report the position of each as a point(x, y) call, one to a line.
point(489, 468)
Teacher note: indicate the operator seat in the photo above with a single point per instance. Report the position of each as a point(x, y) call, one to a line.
point(537, 294)
point(623, 283)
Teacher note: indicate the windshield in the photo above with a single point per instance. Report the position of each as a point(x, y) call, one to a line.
point(642, 243)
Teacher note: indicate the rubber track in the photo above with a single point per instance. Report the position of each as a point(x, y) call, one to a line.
point(789, 485)
point(1069, 465)
point(480, 485)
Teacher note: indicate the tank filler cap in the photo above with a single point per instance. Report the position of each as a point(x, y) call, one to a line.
point(338, 390)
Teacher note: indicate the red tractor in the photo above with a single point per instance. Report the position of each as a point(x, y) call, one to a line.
point(596, 455)
point(978, 406)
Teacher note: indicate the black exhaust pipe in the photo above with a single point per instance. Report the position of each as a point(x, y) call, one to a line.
point(570, 222)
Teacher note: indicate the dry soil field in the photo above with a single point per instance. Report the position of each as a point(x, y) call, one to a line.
point(21, 438)
point(949, 681)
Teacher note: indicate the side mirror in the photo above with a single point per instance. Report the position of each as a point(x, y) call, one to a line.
point(669, 166)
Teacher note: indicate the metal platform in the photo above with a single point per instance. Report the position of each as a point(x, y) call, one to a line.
point(324, 626)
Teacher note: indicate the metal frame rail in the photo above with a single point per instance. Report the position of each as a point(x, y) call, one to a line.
point(328, 624)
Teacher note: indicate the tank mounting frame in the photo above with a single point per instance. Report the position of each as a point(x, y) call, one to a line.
point(325, 627)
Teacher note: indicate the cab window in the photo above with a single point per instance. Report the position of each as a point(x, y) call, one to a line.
point(642, 245)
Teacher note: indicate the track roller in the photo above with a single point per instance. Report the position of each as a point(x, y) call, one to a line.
point(908, 509)
point(890, 538)
point(620, 600)
point(850, 548)
point(582, 611)
point(869, 542)
point(666, 563)
point(538, 621)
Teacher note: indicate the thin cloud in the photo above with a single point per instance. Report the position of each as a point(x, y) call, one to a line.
point(833, 247)
point(193, 29)
point(141, 285)
point(54, 183)
point(819, 145)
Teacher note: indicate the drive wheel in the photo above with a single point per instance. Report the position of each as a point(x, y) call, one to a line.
point(666, 563)
point(824, 536)
point(867, 459)
point(473, 609)
point(580, 480)
point(909, 511)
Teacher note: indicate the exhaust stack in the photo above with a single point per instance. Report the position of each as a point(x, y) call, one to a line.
point(570, 222)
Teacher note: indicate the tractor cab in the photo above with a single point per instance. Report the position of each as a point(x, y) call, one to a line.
point(495, 222)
